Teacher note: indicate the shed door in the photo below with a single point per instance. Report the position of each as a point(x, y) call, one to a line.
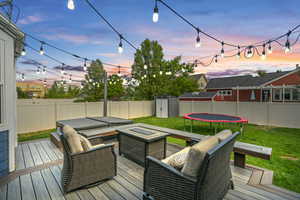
point(164, 108)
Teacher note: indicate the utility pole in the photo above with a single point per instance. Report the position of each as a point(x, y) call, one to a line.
point(105, 95)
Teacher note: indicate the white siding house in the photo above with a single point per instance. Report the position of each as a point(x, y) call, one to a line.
point(10, 47)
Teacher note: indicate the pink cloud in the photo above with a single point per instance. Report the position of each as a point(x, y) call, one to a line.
point(31, 19)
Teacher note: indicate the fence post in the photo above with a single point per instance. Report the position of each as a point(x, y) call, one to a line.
point(55, 112)
point(85, 109)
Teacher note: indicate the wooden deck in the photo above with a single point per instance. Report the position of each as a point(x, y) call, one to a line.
point(39, 166)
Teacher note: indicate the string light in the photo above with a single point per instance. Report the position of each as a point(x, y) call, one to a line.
point(222, 50)
point(198, 42)
point(287, 45)
point(263, 53)
point(45, 82)
point(70, 79)
point(38, 71)
point(154, 75)
point(62, 71)
point(23, 77)
point(42, 52)
point(71, 5)
point(44, 70)
point(155, 16)
point(145, 67)
point(23, 52)
point(120, 47)
point(238, 55)
point(168, 73)
point(216, 58)
point(81, 85)
point(249, 52)
point(269, 48)
point(183, 70)
point(84, 65)
point(119, 71)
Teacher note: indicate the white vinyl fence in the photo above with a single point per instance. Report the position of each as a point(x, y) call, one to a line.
point(265, 113)
point(41, 114)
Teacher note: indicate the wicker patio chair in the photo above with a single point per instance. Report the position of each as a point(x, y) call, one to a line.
point(87, 168)
point(163, 182)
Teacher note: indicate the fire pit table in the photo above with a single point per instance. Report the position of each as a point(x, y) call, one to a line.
point(136, 143)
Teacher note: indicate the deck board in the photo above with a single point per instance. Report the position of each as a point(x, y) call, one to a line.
point(27, 190)
point(44, 183)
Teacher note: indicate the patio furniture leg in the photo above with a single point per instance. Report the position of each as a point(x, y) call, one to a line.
point(239, 160)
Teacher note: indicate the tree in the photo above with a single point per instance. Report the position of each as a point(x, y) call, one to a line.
point(115, 87)
point(261, 72)
point(158, 76)
point(93, 84)
point(22, 94)
point(59, 91)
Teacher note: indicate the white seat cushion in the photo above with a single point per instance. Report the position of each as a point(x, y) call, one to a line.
point(196, 155)
point(73, 139)
point(177, 160)
point(85, 143)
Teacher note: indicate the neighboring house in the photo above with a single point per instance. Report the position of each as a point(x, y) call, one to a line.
point(201, 80)
point(34, 89)
point(198, 96)
point(276, 87)
point(10, 48)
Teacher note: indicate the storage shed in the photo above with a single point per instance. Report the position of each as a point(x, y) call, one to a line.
point(166, 106)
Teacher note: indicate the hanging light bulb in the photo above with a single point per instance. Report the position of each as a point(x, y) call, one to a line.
point(71, 4)
point(145, 76)
point(168, 73)
point(222, 50)
point(119, 71)
point(84, 65)
point(183, 70)
point(198, 42)
point(263, 53)
point(23, 52)
point(44, 70)
point(249, 52)
point(23, 77)
point(42, 52)
point(70, 79)
point(160, 72)
point(216, 58)
point(287, 46)
point(154, 75)
point(38, 71)
point(81, 85)
point(120, 47)
point(145, 67)
point(155, 13)
point(62, 71)
point(238, 55)
point(269, 48)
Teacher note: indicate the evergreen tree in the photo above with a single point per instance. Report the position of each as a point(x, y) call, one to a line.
point(115, 87)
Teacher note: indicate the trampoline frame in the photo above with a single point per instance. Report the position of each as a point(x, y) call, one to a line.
point(241, 120)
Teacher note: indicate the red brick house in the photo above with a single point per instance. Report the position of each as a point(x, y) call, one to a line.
point(276, 87)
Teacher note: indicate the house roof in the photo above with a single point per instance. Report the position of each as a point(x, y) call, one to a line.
point(200, 95)
point(244, 81)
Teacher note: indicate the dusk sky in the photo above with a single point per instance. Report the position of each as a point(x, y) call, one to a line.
point(81, 31)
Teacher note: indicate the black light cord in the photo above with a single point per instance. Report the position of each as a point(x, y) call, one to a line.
point(110, 25)
point(214, 38)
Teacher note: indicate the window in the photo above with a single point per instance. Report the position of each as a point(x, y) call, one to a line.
point(225, 92)
point(296, 94)
point(277, 94)
point(287, 94)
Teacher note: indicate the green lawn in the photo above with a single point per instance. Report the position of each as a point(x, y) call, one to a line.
point(285, 142)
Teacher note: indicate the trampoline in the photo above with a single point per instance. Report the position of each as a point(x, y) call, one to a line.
point(214, 118)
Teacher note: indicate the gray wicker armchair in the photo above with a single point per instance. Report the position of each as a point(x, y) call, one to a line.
point(87, 168)
point(163, 182)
